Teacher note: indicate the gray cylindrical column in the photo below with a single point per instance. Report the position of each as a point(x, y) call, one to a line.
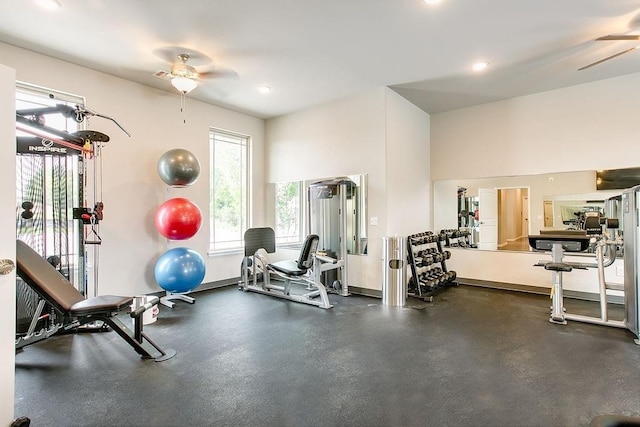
point(394, 280)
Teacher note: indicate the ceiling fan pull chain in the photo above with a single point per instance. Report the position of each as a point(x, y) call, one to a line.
point(183, 107)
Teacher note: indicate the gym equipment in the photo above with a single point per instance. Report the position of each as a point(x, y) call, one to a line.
point(178, 168)
point(307, 270)
point(631, 227)
point(457, 238)
point(47, 282)
point(178, 219)
point(614, 420)
point(179, 270)
point(427, 262)
point(333, 217)
point(561, 241)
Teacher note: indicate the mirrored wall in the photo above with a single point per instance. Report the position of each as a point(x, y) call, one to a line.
point(298, 208)
point(499, 213)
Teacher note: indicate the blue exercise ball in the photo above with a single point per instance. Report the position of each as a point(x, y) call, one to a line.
point(178, 168)
point(179, 270)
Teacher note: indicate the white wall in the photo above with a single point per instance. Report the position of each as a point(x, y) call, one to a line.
point(376, 133)
point(586, 127)
point(7, 245)
point(408, 167)
point(517, 268)
point(132, 189)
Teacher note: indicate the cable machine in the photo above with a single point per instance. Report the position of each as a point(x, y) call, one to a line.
point(52, 211)
point(333, 216)
point(631, 227)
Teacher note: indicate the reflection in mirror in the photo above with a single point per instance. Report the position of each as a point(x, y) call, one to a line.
point(287, 205)
point(288, 215)
point(499, 213)
point(573, 211)
point(328, 198)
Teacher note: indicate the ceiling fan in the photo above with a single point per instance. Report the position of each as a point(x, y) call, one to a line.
point(628, 37)
point(184, 76)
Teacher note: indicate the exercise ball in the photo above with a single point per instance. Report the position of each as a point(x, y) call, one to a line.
point(178, 168)
point(179, 270)
point(178, 219)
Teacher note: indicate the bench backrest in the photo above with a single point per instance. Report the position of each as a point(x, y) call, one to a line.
point(305, 260)
point(44, 279)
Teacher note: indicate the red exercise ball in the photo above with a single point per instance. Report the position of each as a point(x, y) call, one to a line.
point(178, 219)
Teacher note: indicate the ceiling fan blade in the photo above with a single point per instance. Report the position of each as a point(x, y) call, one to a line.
point(621, 37)
point(161, 74)
point(608, 58)
point(217, 74)
point(170, 54)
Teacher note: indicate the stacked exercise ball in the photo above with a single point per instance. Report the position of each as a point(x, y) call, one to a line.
point(178, 168)
point(178, 270)
point(178, 219)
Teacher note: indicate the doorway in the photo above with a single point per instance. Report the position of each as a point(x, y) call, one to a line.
point(513, 219)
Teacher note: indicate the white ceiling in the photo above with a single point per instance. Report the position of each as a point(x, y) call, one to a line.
point(312, 51)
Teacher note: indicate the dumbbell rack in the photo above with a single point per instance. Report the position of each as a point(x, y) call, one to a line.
point(456, 238)
point(427, 261)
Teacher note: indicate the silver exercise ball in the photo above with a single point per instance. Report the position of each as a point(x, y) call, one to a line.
point(178, 168)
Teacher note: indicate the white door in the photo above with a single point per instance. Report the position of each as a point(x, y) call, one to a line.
point(7, 241)
point(488, 218)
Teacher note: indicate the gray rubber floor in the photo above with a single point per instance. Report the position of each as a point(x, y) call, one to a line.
point(473, 357)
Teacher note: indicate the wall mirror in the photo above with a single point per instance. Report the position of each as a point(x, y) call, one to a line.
point(500, 212)
point(297, 208)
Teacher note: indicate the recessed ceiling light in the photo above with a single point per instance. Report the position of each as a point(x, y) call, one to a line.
point(480, 66)
point(264, 89)
point(49, 4)
point(432, 1)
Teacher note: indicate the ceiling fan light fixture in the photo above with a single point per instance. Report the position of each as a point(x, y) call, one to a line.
point(49, 4)
point(184, 84)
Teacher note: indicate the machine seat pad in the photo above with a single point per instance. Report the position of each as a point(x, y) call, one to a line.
point(558, 266)
point(288, 267)
point(100, 304)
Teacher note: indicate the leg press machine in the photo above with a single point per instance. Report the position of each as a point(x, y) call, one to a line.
point(306, 270)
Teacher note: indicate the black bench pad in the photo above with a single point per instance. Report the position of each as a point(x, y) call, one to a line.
point(287, 267)
point(100, 305)
point(558, 266)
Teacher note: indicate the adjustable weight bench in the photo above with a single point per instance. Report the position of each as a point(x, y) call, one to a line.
point(53, 287)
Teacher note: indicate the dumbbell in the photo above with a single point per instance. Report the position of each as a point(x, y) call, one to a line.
point(426, 261)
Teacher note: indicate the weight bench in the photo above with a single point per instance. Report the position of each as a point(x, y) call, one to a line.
point(53, 287)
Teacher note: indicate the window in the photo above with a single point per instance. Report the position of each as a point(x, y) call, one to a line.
point(230, 192)
point(288, 212)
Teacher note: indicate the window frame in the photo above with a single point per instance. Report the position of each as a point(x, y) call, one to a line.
point(245, 141)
